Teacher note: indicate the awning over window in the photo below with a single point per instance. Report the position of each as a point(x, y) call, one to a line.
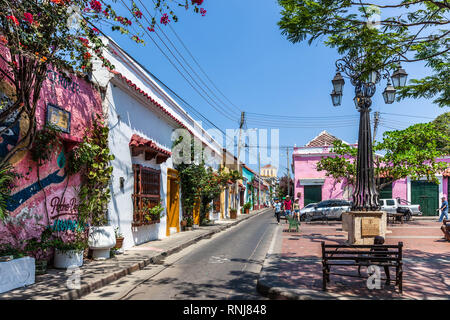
point(139, 145)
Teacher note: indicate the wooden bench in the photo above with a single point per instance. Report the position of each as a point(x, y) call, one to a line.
point(362, 255)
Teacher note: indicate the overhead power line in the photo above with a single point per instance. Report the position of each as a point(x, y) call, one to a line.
point(173, 64)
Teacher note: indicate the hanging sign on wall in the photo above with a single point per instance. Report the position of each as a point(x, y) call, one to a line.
point(58, 117)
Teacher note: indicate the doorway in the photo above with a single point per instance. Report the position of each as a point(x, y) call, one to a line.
point(173, 203)
point(425, 194)
point(313, 194)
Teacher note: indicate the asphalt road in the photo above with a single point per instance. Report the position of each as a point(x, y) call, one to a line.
point(226, 266)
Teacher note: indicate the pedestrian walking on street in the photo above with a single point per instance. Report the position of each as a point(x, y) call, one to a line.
point(278, 210)
point(296, 210)
point(444, 210)
point(287, 205)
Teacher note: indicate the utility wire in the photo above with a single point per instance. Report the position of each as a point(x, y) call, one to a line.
point(173, 45)
point(171, 62)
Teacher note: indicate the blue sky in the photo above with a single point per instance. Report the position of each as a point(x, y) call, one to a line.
point(239, 45)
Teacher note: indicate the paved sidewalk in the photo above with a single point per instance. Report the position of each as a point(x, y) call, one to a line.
point(96, 274)
point(293, 268)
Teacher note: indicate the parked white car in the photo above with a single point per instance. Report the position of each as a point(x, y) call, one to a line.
point(400, 206)
point(327, 209)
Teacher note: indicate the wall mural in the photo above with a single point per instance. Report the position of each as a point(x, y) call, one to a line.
point(54, 195)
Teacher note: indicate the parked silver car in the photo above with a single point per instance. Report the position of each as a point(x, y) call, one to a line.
point(328, 209)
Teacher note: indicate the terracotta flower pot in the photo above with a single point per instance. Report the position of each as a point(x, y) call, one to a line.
point(119, 243)
point(247, 210)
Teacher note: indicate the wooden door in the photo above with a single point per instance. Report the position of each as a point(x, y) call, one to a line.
point(197, 212)
point(425, 194)
point(313, 194)
point(173, 201)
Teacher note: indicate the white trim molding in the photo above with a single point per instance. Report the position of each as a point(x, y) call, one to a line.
point(311, 182)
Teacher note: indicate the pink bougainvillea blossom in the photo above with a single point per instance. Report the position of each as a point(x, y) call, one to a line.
point(13, 19)
point(202, 12)
point(138, 14)
point(197, 2)
point(96, 30)
point(151, 29)
point(28, 17)
point(165, 19)
point(3, 40)
point(96, 5)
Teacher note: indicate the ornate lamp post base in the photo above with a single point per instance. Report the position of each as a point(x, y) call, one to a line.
point(363, 226)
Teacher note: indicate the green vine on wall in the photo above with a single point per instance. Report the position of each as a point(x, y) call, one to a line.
point(91, 158)
point(7, 179)
point(200, 183)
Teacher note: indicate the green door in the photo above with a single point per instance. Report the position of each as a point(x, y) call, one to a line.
point(425, 194)
point(386, 192)
point(313, 194)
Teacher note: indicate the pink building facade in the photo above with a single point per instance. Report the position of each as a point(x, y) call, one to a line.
point(313, 186)
point(71, 103)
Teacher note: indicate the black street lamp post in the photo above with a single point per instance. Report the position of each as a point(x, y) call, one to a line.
point(365, 195)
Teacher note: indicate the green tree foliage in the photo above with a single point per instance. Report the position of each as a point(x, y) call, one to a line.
point(411, 152)
point(200, 183)
point(412, 30)
point(282, 187)
point(442, 122)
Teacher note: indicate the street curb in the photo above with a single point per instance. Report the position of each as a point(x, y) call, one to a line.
point(89, 287)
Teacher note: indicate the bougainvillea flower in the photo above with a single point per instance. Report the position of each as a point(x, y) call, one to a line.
point(138, 14)
point(28, 17)
point(13, 19)
point(151, 29)
point(202, 12)
point(165, 19)
point(96, 5)
point(197, 2)
point(3, 40)
point(96, 30)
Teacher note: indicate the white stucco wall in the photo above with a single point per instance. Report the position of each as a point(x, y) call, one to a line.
point(126, 117)
point(129, 112)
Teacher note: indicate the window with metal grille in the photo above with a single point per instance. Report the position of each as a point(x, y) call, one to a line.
point(146, 193)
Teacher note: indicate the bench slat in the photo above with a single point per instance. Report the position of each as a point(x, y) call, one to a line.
point(362, 258)
point(362, 252)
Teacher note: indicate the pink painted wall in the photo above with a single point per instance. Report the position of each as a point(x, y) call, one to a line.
point(400, 189)
point(59, 195)
point(305, 168)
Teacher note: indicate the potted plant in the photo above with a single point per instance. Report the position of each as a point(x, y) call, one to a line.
point(189, 223)
point(39, 250)
point(16, 269)
point(183, 224)
point(91, 159)
point(233, 213)
point(69, 253)
point(153, 214)
point(119, 238)
point(247, 207)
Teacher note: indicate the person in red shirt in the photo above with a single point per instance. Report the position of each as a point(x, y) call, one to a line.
point(287, 205)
